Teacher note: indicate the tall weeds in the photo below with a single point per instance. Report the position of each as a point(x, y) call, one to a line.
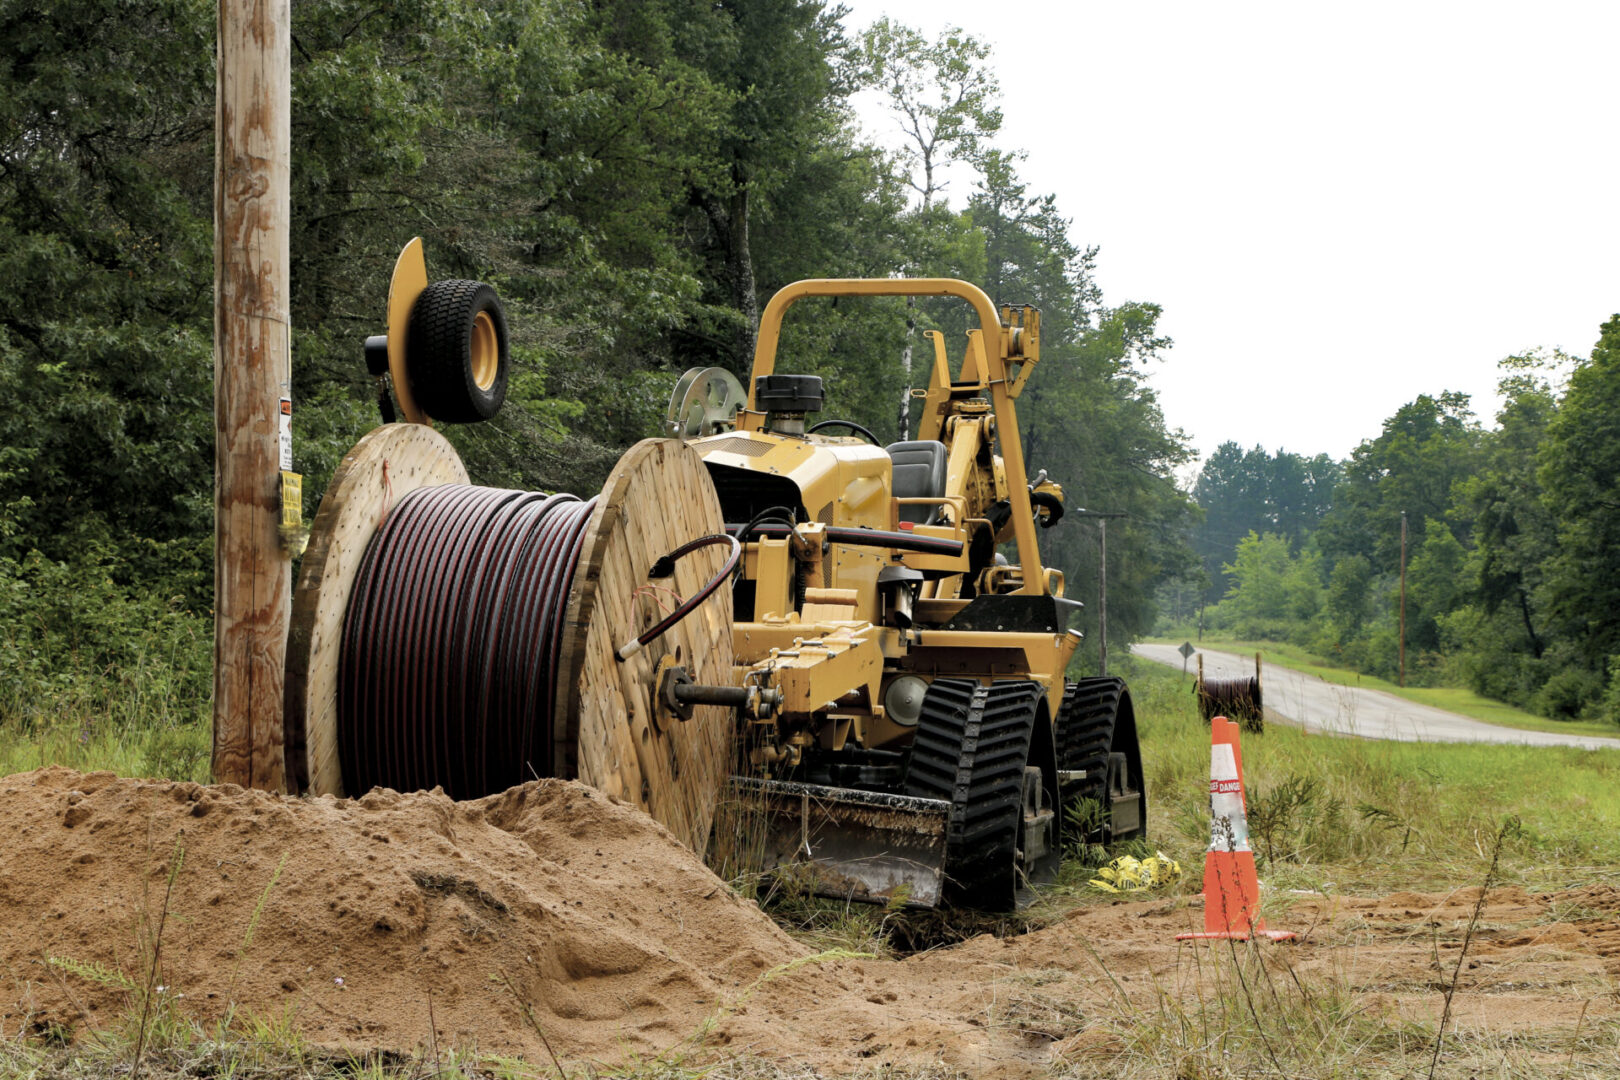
point(1373, 816)
point(152, 944)
point(1510, 826)
point(100, 674)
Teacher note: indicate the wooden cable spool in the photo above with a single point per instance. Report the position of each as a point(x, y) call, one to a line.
point(1238, 700)
point(386, 464)
point(606, 727)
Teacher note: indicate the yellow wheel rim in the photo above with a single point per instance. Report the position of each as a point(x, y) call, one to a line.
point(485, 351)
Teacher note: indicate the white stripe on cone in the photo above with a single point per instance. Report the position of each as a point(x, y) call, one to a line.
point(1228, 825)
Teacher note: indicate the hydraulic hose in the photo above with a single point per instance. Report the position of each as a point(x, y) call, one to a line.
point(665, 567)
point(843, 534)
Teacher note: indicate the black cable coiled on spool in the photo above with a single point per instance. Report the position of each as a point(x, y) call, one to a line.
point(447, 673)
point(1236, 699)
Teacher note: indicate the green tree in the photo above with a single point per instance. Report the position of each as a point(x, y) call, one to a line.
point(1348, 603)
point(1428, 447)
point(1242, 491)
point(1515, 535)
point(1273, 594)
point(778, 61)
point(1580, 475)
point(1436, 585)
point(1299, 491)
point(943, 93)
point(613, 120)
point(1231, 490)
point(106, 283)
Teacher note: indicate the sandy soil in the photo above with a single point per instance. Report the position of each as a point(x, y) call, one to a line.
point(407, 921)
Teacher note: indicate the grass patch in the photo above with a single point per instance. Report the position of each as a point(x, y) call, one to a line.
point(1245, 1011)
point(1372, 816)
point(179, 751)
point(1451, 698)
point(258, 1050)
point(102, 675)
point(1298, 1028)
point(146, 712)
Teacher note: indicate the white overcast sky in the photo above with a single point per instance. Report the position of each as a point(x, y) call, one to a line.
point(1339, 206)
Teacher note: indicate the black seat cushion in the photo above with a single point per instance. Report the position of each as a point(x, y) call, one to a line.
point(919, 473)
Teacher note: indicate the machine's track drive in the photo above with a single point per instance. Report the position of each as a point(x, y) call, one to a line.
point(971, 749)
point(1096, 736)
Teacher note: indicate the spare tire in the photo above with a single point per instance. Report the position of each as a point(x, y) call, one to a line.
point(456, 351)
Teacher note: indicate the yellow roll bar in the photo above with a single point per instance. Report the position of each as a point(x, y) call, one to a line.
point(1007, 434)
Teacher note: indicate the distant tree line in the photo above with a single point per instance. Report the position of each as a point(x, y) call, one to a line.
point(635, 176)
point(1513, 541)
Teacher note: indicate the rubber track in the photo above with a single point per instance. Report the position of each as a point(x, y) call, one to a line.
point(1085, 734)
point(970, 749)
point(936, 749)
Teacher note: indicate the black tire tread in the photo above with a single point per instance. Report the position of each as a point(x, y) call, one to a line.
point(970, 749)
point(1085, 736)
point(437, 348)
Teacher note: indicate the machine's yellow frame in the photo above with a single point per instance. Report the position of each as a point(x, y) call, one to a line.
point(1014, 344)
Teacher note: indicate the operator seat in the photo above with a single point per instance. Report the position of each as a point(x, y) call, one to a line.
point(919, 473)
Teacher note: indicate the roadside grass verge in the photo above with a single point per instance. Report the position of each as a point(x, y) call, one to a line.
point(78, 737)
point(1369, 816)
point(125, 695)
point(95, 674)
point(1451, 698)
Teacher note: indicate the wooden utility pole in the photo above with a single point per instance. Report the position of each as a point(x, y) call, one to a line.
point(1102, 600)
point(252, 378)
point(1403, 597)
point(1102, 584)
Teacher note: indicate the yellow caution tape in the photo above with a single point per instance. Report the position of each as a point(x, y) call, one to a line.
point(1127, 874)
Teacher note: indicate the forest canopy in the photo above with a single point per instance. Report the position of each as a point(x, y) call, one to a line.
point(1509, 538)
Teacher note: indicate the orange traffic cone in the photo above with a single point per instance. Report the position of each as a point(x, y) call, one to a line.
point(1231, 886)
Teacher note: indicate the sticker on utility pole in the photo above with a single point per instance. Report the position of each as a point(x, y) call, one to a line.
point(286, 434)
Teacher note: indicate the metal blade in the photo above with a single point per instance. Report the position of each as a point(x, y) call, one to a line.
point(856, 845)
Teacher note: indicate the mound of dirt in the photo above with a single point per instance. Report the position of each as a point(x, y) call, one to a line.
point(363, 913)
point(405, 922)
point(550, 908)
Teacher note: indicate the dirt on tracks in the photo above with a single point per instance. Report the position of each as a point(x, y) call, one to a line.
point(410, 921)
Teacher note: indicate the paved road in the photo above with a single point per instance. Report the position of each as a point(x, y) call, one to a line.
point(1317, 705)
